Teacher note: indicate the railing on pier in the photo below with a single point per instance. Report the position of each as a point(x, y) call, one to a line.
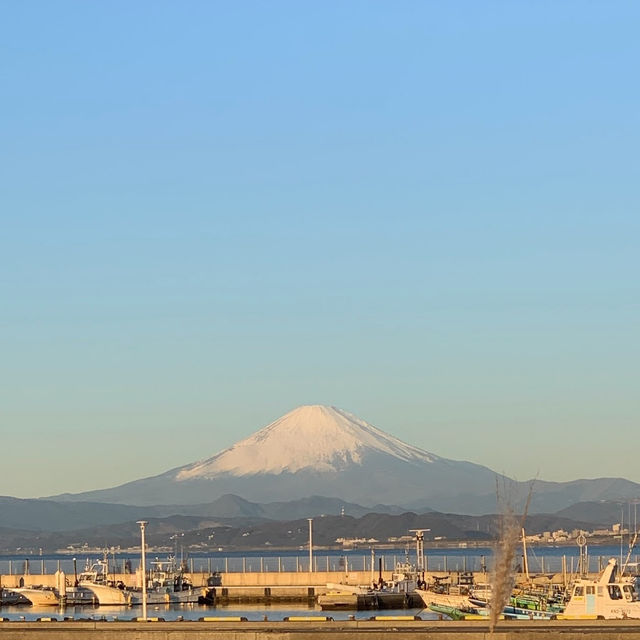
point(344, 563)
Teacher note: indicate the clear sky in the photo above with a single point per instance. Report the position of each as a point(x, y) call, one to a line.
point(425, 213)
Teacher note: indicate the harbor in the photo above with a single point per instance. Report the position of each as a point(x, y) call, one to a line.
point(277, 587)
point(405, 589)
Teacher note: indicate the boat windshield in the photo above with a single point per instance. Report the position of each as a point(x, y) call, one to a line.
point(614, 592)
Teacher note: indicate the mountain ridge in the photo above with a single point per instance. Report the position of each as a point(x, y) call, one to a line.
point(201, 533)
point(48, 515)
point(318, 450)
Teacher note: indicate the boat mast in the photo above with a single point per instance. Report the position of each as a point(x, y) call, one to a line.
point(373, 568)
point(524, 556)
point(621, 530)
point(632, 542)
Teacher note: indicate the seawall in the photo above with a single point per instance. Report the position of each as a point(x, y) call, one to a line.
point(274, 587)
point(317, 630)
point(318, 579)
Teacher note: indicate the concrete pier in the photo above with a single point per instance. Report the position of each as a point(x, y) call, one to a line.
point(289, 579)
point(316, 630)
point(236, 587)
point(261, 587)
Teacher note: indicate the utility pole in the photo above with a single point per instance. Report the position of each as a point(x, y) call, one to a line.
point(524, 556)
point(143, 567)
point(310, 544)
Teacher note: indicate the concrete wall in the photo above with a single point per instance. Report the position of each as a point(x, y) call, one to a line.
point(267, 579)
point(338, 630)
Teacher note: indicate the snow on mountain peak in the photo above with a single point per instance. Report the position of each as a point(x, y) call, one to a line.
point(311, 437)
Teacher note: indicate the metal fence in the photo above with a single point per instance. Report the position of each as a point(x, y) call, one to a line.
point(300, 563)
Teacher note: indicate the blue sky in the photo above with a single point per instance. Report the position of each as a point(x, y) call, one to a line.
point(425, 213)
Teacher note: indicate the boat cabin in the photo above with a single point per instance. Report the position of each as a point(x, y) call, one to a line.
point(609, 596)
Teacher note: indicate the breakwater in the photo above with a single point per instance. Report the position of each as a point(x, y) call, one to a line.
point(232, 587)
point(275, 586)
point(300, 585)
point(314, 629)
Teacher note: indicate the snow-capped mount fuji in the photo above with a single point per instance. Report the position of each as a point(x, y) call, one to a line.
point(312, 451)
point(309, 438)
point(325, 451)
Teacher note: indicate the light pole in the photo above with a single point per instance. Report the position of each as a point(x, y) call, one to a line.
point(142, 524)
point(310, 544)
point(419, 547)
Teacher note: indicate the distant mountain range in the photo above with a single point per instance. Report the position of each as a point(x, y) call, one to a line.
point(234, 523)
point(207, 533)
point(319, 450)
point(49, 515)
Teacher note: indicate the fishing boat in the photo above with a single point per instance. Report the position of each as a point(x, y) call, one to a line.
point(444, 598)
point(169, 585)
point(441, 593)
point(522, 606)
point(398, 593)
point(482, 613)
point(531, 599)
point(457, 613)
point(345, 597)
point(609, 596)
point(94, 580)
point(38, 596)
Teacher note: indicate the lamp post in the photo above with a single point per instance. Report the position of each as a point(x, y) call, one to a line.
point(419, 547)
point(142, 524)
point(310, 544)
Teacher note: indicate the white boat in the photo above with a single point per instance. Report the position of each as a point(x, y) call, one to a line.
point(405, 578)
point(107, 595)
point(443, 594)
point(339, 587)
point(169, 585)
point(95, 579)
point(455, 601)
point(395, 594)
point(38, 596)
point(341, 596)
point(609, 596)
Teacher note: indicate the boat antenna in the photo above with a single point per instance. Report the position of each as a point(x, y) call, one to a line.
point(632, 542)
point(621, 530)
point(581, 541)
